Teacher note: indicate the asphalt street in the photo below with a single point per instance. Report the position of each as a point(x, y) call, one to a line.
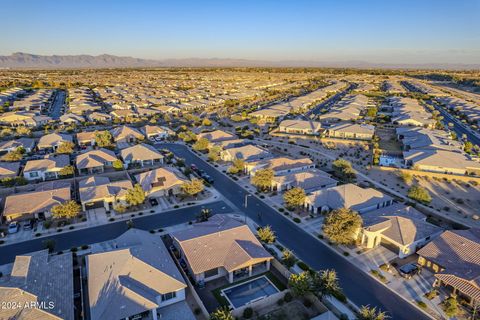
point(76, 238)
point(358, 286)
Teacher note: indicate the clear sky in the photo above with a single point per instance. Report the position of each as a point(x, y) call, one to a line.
point(389, 31)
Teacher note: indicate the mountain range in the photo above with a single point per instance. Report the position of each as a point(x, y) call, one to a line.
point(20, 60)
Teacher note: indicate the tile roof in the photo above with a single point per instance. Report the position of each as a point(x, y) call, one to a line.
point(140, 152)
point(37, 201)
point(161, 178)
point(95, 158)
point(220, 242)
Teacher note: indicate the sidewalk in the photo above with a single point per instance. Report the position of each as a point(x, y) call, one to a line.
point(96, 217)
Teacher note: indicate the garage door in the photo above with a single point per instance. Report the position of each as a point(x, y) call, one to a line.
point(94, 205)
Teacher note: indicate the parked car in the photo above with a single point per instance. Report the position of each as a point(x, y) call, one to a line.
point(29, 225)
point(409, 270)
point(13, 227)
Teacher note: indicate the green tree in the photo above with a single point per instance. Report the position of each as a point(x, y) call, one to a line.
point(222, 313)
point(206, 122)
point(288, 258)
point(187, 136)
point(13, 156)
point(23, 131)
point(135, 196)
point(406, 177)
point(67, 171)
point(214, 153)
point(325, 283)
point(103, 139)
point(193, 187)
point(294, 197)
point(341, 225)
point(49, 244)
point(65, 147)
point(420, 194)
point(343, 170)
point(300, 284)
point(372, 112)
point(238, 165)
point(117, 165)
point(266, 234)
point(450, 306)
point(263, 179)
point(368, 313)
point(201, 144)
point(468, 146)
point(69, 210)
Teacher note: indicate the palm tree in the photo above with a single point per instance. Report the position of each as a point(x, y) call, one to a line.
point(325, 283)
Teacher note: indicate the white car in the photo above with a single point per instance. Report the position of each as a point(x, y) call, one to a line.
point(13, 227)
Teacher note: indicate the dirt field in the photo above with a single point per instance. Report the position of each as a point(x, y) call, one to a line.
point(453, 197)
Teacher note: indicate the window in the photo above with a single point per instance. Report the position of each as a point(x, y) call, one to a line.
point(34, 174)
point(211, 273)
point(169, 296)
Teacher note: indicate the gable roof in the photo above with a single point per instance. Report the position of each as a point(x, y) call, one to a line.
point(95, 158)
point(123, 132)
point(49, 163)
point(37, 201)
point(400, 223)
point(217, 136)
point(162, 178)
point(53, 139)
point(282, 163)
point(38, 277)
point(219, 242)
point(99, 189)
point(127, 281)
point(347, 196)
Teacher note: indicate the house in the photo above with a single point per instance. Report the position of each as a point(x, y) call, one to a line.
point(9, 169)
point(300, 127)
point(161, 182)
point(124, 134)
point(124, 114)
point(280, 165)
point(351, 131)
point(142, 154)
point(152, 132)
point(86, 138)
point(95, 161)
point(442, 161)
point(47, 168)
point(53, 140)
point(271, 114)
point(310, 180)
point(12, 145)
point(24, 118)
point(246, 153)
point(398, 227)
point(99, 117)
point(36, 204)
point(216, 136)
point(41, 279)
point(136, 277)
point(347, 196)
point(71, 118)
point(454, 258)
point(99, 192)
point(221, 247)
point(227, 144)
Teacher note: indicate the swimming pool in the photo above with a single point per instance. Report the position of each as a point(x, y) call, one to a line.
point(247, 292)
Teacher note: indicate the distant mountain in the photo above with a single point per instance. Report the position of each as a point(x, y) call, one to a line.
point(21, 60)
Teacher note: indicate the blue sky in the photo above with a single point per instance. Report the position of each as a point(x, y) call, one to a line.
point(402, 31)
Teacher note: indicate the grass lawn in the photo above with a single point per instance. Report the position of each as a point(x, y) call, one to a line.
point(217, 293)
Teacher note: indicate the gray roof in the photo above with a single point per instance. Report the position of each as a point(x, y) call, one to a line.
point(128, 280)
point(400, 223)
point(42, 278)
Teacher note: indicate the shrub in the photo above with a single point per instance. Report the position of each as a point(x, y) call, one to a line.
point(422, 304)
point(297, 220)
point(280, 302)
point(38, 234)
point(307, 303)
point(248, 313)
point(85, 247)
point(74, 249)
point(340, 296)
point(71, 227)
point(288, 297)
point(197, 311)
point(111, 219)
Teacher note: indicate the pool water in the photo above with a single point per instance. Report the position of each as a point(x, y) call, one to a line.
point(247, 292)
